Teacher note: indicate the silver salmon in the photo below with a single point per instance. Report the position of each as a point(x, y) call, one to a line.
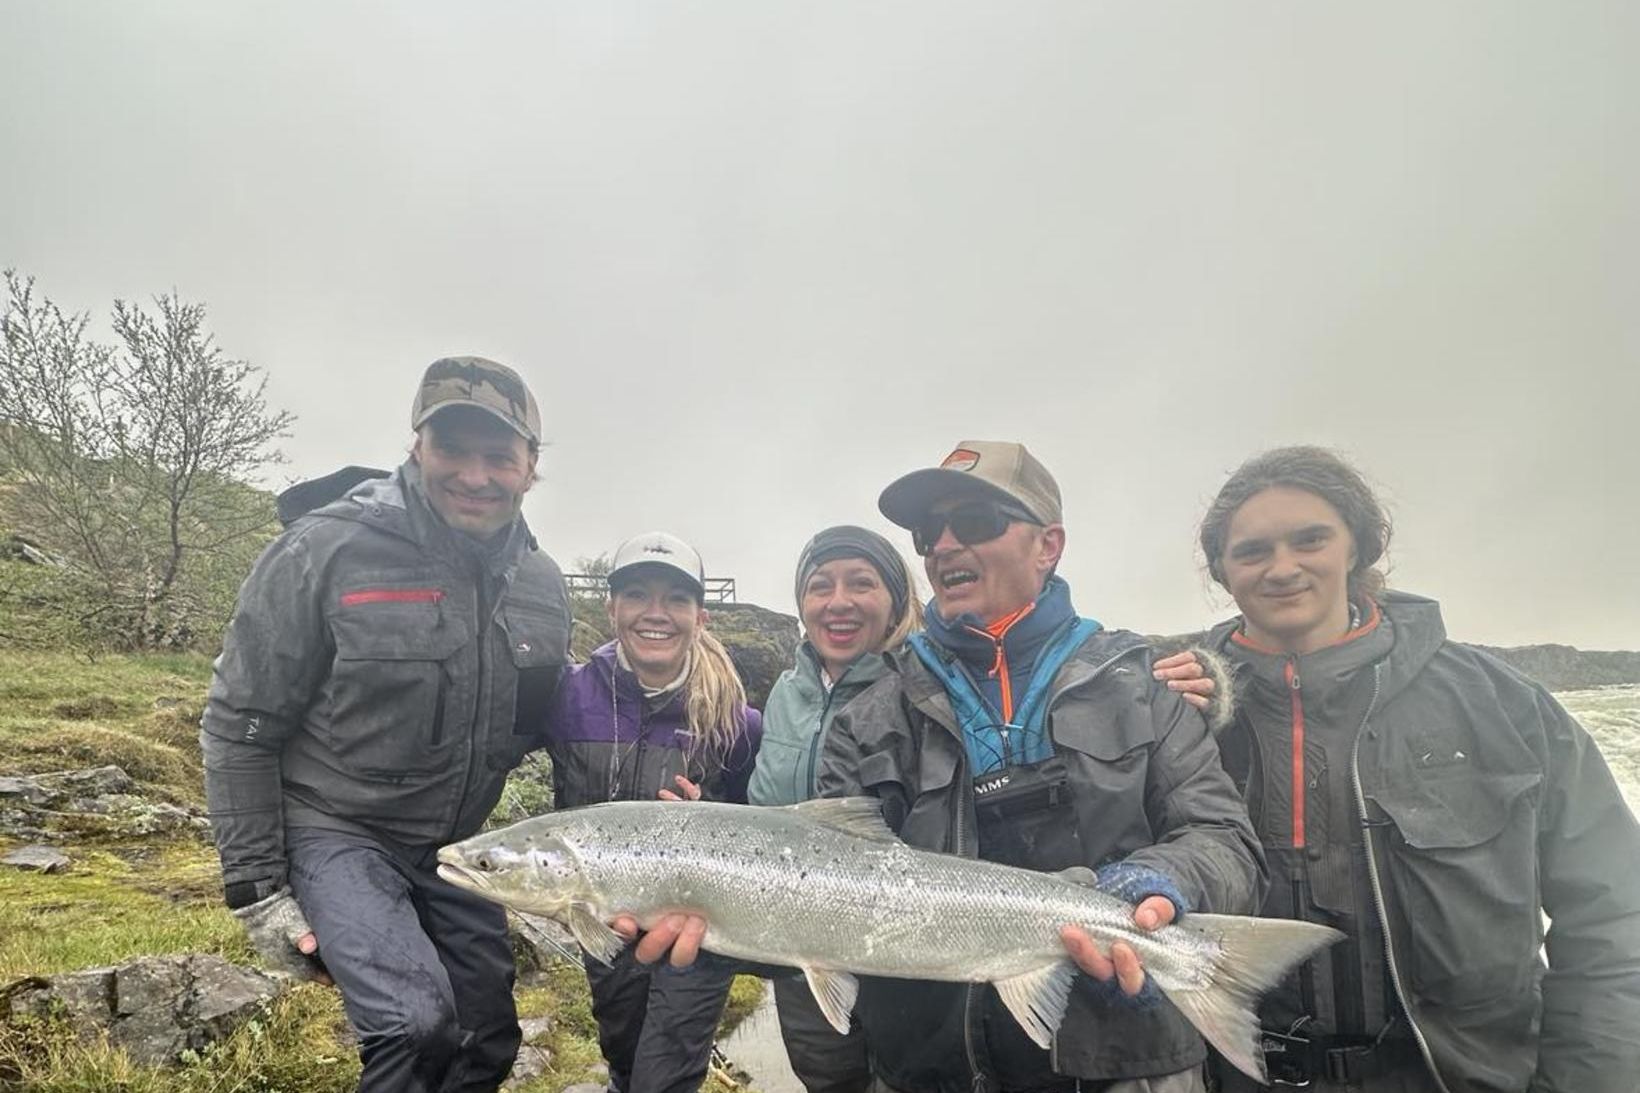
point(826, 887)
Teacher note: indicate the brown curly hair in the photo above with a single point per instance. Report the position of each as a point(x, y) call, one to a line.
point(1321, 472)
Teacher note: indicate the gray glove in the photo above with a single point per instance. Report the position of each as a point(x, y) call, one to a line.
point(273, 925)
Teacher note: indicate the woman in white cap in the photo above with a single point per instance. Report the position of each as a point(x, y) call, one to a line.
point(658, 711)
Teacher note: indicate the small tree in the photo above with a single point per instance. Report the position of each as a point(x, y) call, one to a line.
point(130, 462)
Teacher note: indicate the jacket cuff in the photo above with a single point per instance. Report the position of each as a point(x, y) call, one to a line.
point(243, 893)
point(1133, 883)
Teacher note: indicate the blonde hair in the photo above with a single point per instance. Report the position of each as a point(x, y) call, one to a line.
point(714, 702)
point(910, 620)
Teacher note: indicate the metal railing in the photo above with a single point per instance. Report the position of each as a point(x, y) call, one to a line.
point(718, 589)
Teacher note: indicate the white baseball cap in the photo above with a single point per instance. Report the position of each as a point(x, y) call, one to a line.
point(658, 548)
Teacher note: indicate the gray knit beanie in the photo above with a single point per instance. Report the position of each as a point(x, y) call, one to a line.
point(848, 541)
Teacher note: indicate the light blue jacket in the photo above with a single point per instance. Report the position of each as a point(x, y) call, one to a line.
point(795, 721)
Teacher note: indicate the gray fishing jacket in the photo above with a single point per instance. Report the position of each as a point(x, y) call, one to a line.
point(1486, 806)
point(382, 673)
point(1145, 785)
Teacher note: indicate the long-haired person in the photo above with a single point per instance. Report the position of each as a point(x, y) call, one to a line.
point(658, 709)
point(1428, 801)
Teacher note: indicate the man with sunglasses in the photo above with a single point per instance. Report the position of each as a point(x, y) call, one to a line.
point(1015, 730)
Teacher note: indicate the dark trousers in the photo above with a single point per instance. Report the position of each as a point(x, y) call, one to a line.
point(425, 969)
point(823, 1060)
point(656, 1023)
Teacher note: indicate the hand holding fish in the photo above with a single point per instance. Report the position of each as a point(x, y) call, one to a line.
point(687, 790)
point(1152, 914)
point(678, 934)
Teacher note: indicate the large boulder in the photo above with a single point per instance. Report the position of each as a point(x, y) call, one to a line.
point(762, 643)
point(155, 1007)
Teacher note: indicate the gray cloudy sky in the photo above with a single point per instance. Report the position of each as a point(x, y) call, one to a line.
point(758, 258)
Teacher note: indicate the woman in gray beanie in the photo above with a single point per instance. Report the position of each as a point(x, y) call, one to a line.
point(855, 599)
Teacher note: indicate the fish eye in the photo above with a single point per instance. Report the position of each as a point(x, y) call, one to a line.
point(483, 862)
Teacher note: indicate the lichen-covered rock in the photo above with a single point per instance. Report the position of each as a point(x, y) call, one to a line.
point(99, 802)
point(39, 859)
point(91, 782)
point(155, 1008)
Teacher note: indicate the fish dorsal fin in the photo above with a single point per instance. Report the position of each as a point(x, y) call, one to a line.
point(1037, 999)
point(835, 992)
point(592, 932)
point(861, 816)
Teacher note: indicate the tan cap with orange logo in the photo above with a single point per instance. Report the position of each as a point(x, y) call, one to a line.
point(997, 469)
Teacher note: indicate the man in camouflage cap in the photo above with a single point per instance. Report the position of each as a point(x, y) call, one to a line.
point(391, 658)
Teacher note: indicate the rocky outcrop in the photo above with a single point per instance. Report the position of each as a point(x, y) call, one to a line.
point(1557, 667)
point(761, 642)
point(156, 1007)
point(1564, 668)
point(95, 802)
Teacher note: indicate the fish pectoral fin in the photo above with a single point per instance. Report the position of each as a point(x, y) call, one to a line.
point(1080, 874)
point(592, 932)
point(1037, 999)
point(835, 992)
point(858, 816)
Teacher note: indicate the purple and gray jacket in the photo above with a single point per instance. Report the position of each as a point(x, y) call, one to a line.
point(609, 743)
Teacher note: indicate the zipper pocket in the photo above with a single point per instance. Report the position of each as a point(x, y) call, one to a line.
point(436, 737)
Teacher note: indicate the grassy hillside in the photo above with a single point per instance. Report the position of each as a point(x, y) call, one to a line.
point(128, 895)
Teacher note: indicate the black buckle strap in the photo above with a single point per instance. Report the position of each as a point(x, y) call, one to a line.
point(1355, 1063)
point(1295, 1061)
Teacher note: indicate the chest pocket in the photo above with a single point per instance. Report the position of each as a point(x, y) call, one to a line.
point(396, 680)
point(1106, 749)
point(1463, 864)
point(536, 639)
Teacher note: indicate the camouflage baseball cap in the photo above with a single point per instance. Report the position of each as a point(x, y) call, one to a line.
point(474, 381)
point(999, 470)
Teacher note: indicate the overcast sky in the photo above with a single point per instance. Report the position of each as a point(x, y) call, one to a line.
point(757, 259)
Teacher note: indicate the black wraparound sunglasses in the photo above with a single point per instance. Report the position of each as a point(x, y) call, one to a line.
point(971, 522)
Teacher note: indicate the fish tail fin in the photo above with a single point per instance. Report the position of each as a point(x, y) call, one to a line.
point(1255, 955)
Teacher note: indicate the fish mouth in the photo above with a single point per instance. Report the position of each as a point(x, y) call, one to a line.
point(453, 872)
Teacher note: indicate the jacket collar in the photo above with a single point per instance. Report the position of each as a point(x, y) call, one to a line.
point(866, 670)
point(1103, 649)
point(1401, 630)
point(968, 638)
